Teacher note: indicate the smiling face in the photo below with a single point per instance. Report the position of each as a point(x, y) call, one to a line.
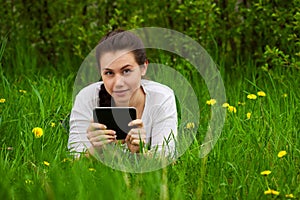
point(121, 75)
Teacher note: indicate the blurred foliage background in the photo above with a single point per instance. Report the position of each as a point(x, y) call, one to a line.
point(61, 33)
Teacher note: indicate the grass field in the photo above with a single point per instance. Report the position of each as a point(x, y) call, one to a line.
point(41, 168)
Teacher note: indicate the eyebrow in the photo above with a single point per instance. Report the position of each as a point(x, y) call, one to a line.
point(127, 65)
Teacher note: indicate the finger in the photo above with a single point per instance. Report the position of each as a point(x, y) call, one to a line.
point(102, 138)
point(137, 142)
point(136, 134)
point(141, 132)
point(137, 122)
point(96, 126)
point(100, 132)
point(101, 143)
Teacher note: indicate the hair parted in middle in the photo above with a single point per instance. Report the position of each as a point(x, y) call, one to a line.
point(118, 40)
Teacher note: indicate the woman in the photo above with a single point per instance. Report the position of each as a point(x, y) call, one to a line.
point(122, 60)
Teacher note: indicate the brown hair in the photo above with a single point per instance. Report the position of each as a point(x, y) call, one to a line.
point(113, 41)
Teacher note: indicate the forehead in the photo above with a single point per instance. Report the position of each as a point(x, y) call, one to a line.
point(117, 59)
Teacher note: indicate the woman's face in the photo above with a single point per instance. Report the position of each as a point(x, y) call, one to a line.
point(121, 75)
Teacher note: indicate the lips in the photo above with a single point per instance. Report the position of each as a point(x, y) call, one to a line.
point(120, 92)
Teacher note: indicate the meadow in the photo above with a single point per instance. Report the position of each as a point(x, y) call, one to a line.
point(257, 156)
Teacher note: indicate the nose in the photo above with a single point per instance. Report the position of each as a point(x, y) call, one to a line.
point(119, 81)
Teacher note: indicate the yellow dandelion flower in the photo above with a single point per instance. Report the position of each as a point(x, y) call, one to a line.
point(251, 96)
point(92, 169)
point(289, 196)
point(232, 109)
point(23, 91)
point(248, 115)
point(28, 181)
point(269, 191)
point(190, 125)
point(225, 105)
point(281, 154)
point(241, 103)
point(2, 100)
point(38, 132)
point(211, 102)
point(66, 160)
point(265, 173)
point(285, 95)
point(46, 163)
point(275, 192)
point(261, 94)
point(53, 124)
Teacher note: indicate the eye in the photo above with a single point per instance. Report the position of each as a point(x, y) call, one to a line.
point(108, 73)
point(127, 71)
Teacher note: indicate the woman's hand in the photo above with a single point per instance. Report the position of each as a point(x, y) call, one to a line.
point(99, 136)
point(136, 136)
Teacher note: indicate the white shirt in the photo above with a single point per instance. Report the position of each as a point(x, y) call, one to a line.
point(159, 116)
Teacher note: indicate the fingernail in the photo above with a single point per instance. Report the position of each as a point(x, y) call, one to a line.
point(129, 124)
point(105, 127)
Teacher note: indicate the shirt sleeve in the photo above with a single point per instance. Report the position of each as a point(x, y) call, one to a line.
point(164, 127)
point(80, 118)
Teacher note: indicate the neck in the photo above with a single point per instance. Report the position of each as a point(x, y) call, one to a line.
point(138, 101)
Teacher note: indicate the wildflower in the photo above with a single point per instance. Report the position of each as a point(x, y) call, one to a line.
point(67, 159)
point(2, 100)
point(281, 154)
point(28, 181)
point(275, 192)
point(23, 91)
point(211, 102)
point(289, 196)
point(248, 115)
point(270, 191)
point(265, 173)
point(225, 105)
point(261, 94)
point(232, 109)
point(285, 95)
point(190, 125)
point(251, 96)
point(46, 163)
point(241, 103)
point(38, 132)
point(53, 124)
point(92, 169)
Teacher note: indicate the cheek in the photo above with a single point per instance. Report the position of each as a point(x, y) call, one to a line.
point(134, 81)
point(108, 85)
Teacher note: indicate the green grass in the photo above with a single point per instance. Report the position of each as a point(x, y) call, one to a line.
point(231, 170)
